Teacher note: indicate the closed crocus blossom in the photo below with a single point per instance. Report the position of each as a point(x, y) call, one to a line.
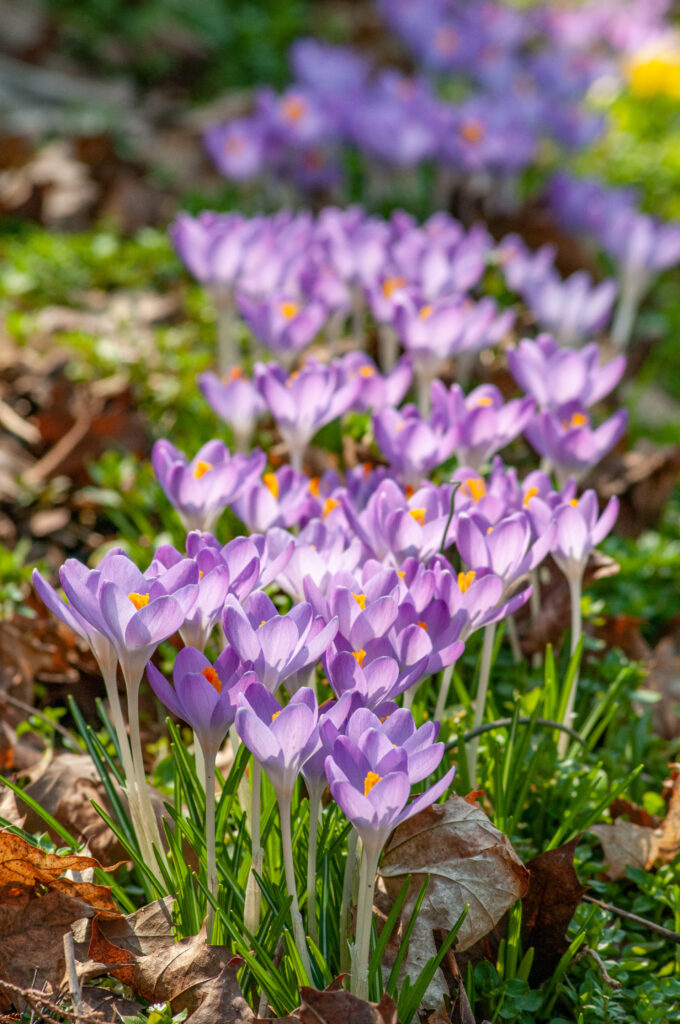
point(569, 442)
point(277, 646)
point(555, 376)
point(202, 488)
point(236, 400)
point(412, 445)
point(303, 402)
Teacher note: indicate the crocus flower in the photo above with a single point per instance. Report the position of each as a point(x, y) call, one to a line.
point(573, 309)
point(202, 488)
point(283, 323)
point(204, 695)
point(507, 548)
point(483, 421)
point(237, 148)
point(319, 553)
point(578, 531)
point(554, 376)
point(303, 402)
point(377, 391)
point(412, 445)
point(277, 646)
point(236, 400)
point(570, 443)
point(281, 498)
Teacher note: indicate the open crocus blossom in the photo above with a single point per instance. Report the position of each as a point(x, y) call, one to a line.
point(413, 446)
point(283, 324)
point(570, 444)
point(236, 400)
point(507, 548)
point(484, 422)
point(555, 376)
point(202, 488)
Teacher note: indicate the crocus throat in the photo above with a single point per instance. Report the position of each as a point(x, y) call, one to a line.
point(476, 487)
point(202, 468)
point(371, 780)
point(531, 493)
point(289, 310)
point(271, 483)
point(212, 677)
point(465, 580)
point(360, 655)
point(139, 600)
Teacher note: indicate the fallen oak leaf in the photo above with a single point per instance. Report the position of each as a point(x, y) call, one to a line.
point(341, 1007)
point(469, 862)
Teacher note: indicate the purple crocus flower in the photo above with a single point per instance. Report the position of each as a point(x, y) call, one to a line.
point(320, 551)
point(280, 738)
point(423, 752)
point(283, 324)
point(573, 309)
point(202, 488)
point(282, 498)
point(237, 149)
point(236, 400)
point(277, 646)
point(578, 531)
point(304, 401)
point(370, 781)
point(414, 446)
point(570, 443)
point(507, 547)
point(484, 422)
point(377, 391)
point(479, 595)
point(204, 695)
point(376, 681)
point(554, 376)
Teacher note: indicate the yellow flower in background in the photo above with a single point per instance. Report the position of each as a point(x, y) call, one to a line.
point(656, 72)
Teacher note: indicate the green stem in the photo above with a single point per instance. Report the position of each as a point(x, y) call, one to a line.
point(289, 868)
point(480, 699)
point(314, 810)
point(362, 946)
point(210, 853)
point(575, 586)
point(350, 866)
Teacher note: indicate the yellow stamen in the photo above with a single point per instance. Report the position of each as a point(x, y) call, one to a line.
point(202, 468)
point(212, 677)
point(366, 371)
point(489, 530)
point(409, 491)
point(391, 284)
point(271, 483)
point(425, 313)
point(314, 486)
point(472, 130)
point(401, 575)
point(531, 493)
point(331, 503)
point(262, 624)
point(485, 401)
point(367, 468)
point(293, 108)
point(465, 580)
point(275, 715)
point(288, 310)
point(139, 600)
point(360, 600)
point(201, 574)
point(418, 514)
point(360, 655)
point(574, 502)
point(371, 780)
point(234, 374)
point(423, 625)
point(577, 420)
point(476, 487)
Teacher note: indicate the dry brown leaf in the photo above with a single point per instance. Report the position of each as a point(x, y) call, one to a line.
point(187, 973)
point(642, 479)
point(38, 906)
point(664, 678)
point(469, 862)
point(548, 907)
point(629, 844)
point(341, 1007)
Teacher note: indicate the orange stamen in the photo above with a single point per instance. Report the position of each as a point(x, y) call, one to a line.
point(288, 310)
point(360, 655)
point(314, 486)
point(476, 487)
point(425, 313)
point(472, 130)
point(212, 677)
point(418, 514)
point(531, 493)
point(465, 580)
point(360, 600)
point(271, 483)
point(331, 503)
point(139, 600)
point(366, 371)
point(202, 468)
point(371, 780)
point(390, 285)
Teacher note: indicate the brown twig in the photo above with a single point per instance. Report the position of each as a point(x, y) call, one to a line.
point(658, 928)
point(40, 1002)
point(594, 955)
point(23, 706)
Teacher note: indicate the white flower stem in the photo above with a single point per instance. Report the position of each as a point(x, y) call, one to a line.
point(480, 699)
point(575, 587)
point(362, 946)
point(284, 801)
point(314, 811)
point(149, 834)
point(210, 855)
point(296, 456)
point(513, 637)
point(251, 910)
point(199, 760)
point(626, 313)
point(227, 348)
point(443, 694)
point(388, 344)
point(350, 867)
point(423, 384)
